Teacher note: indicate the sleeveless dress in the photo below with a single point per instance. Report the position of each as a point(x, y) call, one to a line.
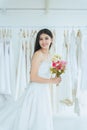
point(32, 111)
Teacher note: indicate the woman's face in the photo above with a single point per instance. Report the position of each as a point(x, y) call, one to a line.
point(45, 41)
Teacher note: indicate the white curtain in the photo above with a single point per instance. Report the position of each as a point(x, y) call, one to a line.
point(7, 70)
point(70, 43)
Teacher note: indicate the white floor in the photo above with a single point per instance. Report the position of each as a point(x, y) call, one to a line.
point(70, 122)
point(67, 119)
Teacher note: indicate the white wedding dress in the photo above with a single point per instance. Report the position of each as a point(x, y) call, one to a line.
point(32, 111)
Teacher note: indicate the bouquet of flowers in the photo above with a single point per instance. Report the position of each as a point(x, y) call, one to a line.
point(58, 65)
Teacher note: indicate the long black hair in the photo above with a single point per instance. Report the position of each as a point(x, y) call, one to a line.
point(42, 31)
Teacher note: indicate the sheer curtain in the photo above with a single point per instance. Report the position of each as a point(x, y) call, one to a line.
point(70, 43)
point(7, 73)
point(72, 91)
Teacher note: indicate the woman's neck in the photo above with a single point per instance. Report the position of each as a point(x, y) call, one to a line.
point(45, 51)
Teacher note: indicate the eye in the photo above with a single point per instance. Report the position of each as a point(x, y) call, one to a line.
point(41, 39)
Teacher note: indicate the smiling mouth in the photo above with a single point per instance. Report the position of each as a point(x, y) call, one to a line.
point(44, 44)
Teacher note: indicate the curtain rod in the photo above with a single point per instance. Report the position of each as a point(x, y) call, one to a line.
point(52, 27)
point(54, 9)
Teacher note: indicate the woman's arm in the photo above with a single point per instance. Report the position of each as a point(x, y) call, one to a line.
point(34, 77)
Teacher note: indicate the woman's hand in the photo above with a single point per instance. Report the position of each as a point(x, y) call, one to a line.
point(55, 80)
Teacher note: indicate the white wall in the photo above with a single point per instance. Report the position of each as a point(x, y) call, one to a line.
point(40, 18)
point(76, 4)
point(33, 13)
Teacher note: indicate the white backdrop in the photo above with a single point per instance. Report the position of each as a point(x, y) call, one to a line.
point(63, 15)
point(19, 38)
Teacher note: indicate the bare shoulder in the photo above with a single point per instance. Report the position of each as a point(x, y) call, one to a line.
point(37, 57)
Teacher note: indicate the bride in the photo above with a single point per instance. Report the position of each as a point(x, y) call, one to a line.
point(33, 110)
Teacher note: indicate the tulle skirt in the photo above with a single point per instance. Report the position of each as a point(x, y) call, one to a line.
point(32, 111)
